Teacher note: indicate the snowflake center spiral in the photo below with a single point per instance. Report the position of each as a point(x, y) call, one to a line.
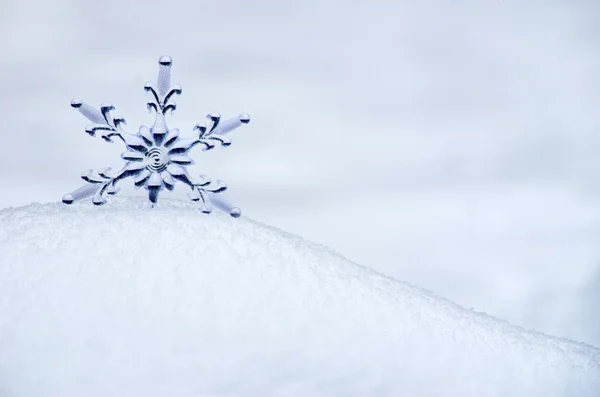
point(157, 160)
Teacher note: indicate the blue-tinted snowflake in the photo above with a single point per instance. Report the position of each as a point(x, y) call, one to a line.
point(156, 157)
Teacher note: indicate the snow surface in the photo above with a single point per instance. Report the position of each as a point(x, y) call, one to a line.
point(122, 301)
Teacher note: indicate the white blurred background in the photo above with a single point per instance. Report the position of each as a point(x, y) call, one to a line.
point(450, 144)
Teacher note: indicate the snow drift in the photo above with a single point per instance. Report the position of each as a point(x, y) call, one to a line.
point(121, 301)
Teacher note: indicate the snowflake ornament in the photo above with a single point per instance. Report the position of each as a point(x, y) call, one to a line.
point(156, 157)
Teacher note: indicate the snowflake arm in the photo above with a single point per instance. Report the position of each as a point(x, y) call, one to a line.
point(156, 157)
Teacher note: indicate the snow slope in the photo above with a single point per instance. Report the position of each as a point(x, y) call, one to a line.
point(121, 301)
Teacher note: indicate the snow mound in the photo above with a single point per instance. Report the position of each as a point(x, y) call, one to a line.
point(121, 301)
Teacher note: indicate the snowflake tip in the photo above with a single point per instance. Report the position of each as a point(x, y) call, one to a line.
point(76, 103)
point(68, 199)
point(244, 118)
point(165, 60)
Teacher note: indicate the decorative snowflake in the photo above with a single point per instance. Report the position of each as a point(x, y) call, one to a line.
point(156, 157)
